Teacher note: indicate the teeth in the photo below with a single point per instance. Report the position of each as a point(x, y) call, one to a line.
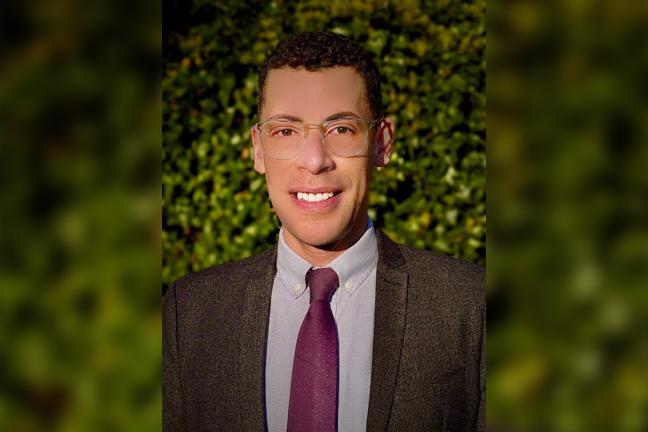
point(314, 197)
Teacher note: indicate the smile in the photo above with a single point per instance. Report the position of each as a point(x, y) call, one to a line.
point(314, 197)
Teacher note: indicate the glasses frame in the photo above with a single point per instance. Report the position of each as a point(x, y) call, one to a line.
point(306, 127)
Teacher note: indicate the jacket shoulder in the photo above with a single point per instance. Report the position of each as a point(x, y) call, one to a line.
point(451, 278)
point(223, 276)
point(423, 260)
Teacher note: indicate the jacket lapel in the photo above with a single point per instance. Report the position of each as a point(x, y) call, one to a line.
point(252, 341)
point(391, 296)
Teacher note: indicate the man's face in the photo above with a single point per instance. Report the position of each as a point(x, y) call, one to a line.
point(313, 97)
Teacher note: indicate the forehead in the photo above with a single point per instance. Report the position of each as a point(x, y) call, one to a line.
point(313, 96)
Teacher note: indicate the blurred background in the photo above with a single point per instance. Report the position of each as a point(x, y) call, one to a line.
point(81, 125)
point(80, 216)
point(431, 54)
point(568, 216)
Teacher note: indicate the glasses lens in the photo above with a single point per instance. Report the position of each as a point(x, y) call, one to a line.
point(346, 137)
point(281, 139)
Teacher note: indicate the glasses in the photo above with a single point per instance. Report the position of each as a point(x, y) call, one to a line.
point(344, 137)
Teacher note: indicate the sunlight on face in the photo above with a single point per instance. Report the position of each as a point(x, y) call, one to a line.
point(321, 199)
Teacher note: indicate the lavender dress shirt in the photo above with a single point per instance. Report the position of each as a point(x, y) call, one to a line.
point(353, 309)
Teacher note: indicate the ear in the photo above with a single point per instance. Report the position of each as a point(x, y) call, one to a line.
point(259, 162)
point(384, 141)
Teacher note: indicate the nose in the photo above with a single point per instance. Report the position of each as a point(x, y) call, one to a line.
point(314, 158)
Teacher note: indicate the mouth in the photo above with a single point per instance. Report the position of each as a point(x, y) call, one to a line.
point(314, 197)
point(317, 199)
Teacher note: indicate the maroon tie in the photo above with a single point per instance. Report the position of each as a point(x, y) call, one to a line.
point(314, 388)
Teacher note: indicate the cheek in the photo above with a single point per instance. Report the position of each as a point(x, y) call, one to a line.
point(275, 180)
point(273, 173)
point(360, 177)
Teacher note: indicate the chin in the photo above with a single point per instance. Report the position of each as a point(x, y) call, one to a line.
point(317, 236)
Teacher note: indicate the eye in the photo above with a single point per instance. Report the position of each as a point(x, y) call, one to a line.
point(341, 130)
point(283, 132)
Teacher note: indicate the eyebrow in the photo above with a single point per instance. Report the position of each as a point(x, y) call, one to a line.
point(342, 114)
point(329, 118)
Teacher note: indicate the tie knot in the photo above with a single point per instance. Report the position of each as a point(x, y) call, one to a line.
point(322, 283)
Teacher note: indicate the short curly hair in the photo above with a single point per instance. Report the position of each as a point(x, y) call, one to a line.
point(315, 51)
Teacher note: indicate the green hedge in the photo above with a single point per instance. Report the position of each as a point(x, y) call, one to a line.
point(431, 55)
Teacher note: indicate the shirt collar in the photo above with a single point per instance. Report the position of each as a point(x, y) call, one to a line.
point(291, 268)
point(353, 266)
point(356, 263)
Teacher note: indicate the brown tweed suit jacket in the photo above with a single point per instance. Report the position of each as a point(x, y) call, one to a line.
point(428, 368)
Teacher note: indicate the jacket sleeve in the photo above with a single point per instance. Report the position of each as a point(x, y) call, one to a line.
point(171, 394)
point(481, 416)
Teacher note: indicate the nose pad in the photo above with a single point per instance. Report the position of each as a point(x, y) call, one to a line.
point(314, 156)
point(317, 131)
point(319, 139)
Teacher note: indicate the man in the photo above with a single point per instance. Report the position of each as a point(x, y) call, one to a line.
point(337, 327)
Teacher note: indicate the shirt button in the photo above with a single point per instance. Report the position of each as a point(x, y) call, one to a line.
point(348, 285)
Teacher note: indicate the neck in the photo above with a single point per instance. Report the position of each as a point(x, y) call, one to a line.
point(320, 256)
